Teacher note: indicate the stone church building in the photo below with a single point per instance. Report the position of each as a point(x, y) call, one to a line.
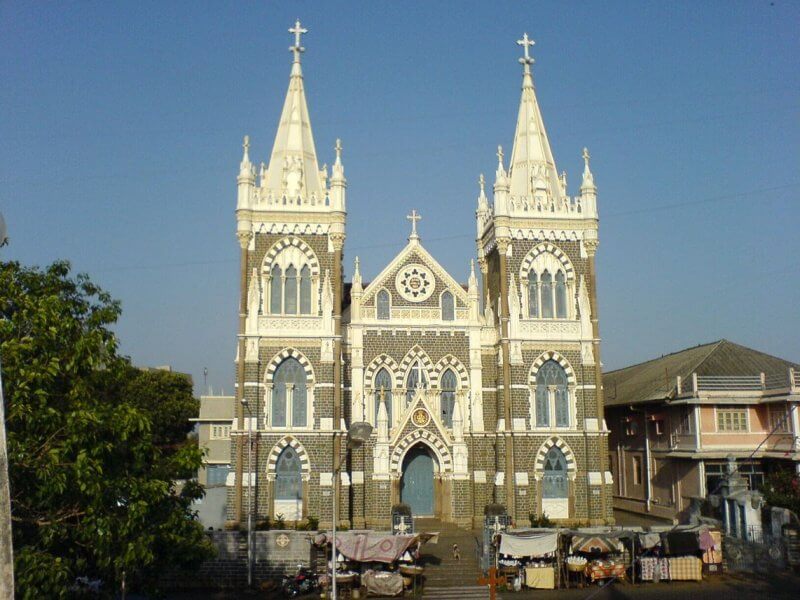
point(479, 393)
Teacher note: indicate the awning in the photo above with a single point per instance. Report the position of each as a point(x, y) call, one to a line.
point(371, 546)
point(528, 544)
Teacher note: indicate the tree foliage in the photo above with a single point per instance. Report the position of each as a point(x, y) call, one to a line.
point(782, 488)
point(95, 446)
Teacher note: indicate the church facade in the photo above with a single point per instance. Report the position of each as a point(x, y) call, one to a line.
point(484, 393)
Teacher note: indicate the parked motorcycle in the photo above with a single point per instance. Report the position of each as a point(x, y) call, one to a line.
point(303, 582)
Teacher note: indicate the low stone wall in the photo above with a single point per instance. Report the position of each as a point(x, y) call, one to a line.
point(275, 553)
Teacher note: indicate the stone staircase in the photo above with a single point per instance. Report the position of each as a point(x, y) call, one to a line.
point(445, 577)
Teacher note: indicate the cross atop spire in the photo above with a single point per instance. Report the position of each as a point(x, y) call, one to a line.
point(526, 59)
point(414, 217)
point(298, 31)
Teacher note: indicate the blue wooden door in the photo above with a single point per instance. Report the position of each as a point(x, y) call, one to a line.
point(417, 483)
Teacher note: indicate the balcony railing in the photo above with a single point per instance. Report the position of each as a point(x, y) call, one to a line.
point(739, 383)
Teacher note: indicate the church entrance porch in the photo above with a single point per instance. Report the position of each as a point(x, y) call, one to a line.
point(417, 481)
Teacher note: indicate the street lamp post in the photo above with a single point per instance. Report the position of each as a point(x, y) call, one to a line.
point(6, 550)
point(357, 435)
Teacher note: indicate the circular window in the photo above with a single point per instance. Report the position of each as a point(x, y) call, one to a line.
point(415, 283)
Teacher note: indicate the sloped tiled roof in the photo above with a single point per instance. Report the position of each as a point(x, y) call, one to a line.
point(655, 379)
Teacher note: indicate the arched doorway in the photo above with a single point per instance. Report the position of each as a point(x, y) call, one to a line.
point(555, 485)
point(416, 484)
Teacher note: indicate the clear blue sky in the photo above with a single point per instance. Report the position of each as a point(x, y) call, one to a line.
point(121, 127)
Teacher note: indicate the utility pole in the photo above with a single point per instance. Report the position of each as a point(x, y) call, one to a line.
point(6, 549)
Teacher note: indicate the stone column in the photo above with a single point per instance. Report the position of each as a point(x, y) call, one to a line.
point(244, 244)
point(502, 247)
point(591, 243)
point(337, 241)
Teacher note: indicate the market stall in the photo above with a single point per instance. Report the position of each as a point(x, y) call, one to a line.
point(383, 563)
point(608, 554)
point(529, 558)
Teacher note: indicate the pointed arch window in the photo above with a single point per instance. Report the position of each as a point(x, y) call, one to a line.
point(561, 295)
point(288, 475)
point(555, 481)
point(383, 387)
point(448, 307)
point(533, 295)
point(552, 396)
point(547, 295)
point(289, 395)
point(276, 290)
point(417, 378)
point(384, 305)
point(305, 290)
point(449, 382)
point(290, 291)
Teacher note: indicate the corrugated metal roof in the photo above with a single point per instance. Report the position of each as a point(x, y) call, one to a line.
point(655, 379)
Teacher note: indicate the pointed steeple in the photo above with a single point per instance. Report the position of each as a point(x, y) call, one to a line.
point(532, 169)
point(588, 188)
point(247, 176)
point(293, 167)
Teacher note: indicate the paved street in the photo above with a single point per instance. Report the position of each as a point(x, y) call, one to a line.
point(738, 586)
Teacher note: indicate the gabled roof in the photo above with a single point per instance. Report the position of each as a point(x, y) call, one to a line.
point(655, 379)
point(414, 247)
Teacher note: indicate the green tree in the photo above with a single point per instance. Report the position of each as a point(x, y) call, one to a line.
point(782, 488)
point(93, 465)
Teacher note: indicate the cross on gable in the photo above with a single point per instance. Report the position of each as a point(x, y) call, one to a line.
point(414, 217)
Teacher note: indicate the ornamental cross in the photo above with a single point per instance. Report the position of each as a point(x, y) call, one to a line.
point(414, 217)
point(526, 43)
point(297, 30)
point(492, 581)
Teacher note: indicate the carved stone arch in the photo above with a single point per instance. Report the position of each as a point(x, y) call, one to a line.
point(551, 355)
point(430, 439)
point(416, 353)
point(542, 248)
point(380, 362)
point(569, 455)
point(272, 459)
point(450, 362)
point(289, 242)
point(283, 355)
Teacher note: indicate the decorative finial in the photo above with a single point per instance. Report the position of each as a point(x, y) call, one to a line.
point(414, 217)
point(246, 147)
point(472, 267)
point(526, 61)
point(482, 183)
point(500, 157)
point(297, 30)
point(338, 148)
point(586, 157)
point(358, 266)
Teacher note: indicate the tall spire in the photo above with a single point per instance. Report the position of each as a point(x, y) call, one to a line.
point(532, 169)
point(293, 168)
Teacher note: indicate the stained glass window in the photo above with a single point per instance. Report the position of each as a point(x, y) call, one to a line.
point(289, 383)
point(561, 295)
point(305, 290)
point(448, 397)
point(290, 291)
point(533, 295)
point(276, 290)
point(383, 305)
point(551, 375)
point(547, 295)
point(288, 475)
point(448, 307)
point(383, 383)
point(416, 378)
